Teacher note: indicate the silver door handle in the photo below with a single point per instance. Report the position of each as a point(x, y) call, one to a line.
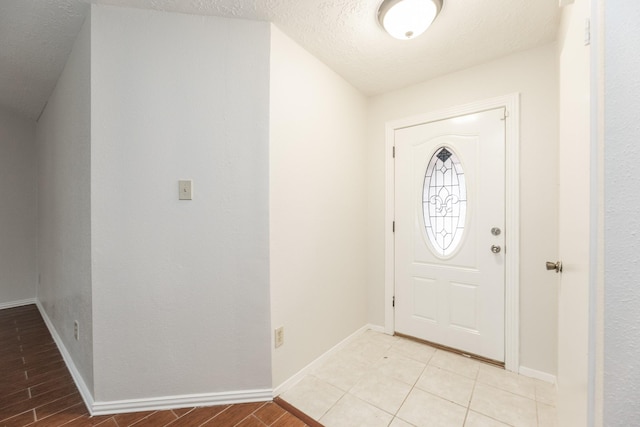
point(495, 249)
point(557, 266)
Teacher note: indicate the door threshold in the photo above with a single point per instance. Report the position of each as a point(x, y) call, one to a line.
point(453, 350)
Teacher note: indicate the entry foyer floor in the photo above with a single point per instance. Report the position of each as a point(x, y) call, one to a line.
point(382, 380)
point(378, 380)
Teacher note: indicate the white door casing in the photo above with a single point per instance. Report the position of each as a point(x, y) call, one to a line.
point(449, 286)
point(510, 240)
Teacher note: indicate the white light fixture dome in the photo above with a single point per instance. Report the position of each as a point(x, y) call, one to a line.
point(407, 19)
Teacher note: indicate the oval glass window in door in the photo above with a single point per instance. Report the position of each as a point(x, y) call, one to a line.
point(444, 201)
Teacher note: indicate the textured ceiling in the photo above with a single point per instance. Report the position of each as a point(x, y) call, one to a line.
point(36, 36)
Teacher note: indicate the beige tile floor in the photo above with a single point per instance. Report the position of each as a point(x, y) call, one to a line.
point(381, 380)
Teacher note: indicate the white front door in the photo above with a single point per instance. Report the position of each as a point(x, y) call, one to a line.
point(449, 232)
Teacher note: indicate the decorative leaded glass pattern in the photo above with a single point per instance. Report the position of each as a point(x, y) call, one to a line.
point(444, 201)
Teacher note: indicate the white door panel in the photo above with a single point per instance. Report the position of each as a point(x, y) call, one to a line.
point(574, 203)
point(453, 298)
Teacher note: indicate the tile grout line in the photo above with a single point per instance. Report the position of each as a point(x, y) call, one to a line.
point(491, 417)
point(209, 419)
point(370, 365)
point(70, 421)
point(276, 420)
point(332, 406)
point(414, 385)
point(50, 402)
point(252, 413)
point(475, 383)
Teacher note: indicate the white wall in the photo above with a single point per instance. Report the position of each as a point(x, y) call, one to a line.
point(622, 204)
point(181, 288)
point(534, 75)
point(317, 206)
point(64, 211)
point(18, 219)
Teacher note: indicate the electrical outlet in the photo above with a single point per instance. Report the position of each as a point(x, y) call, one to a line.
point(279, 336)
point(76, 330)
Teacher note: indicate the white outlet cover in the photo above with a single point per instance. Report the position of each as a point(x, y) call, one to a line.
point(279, 336)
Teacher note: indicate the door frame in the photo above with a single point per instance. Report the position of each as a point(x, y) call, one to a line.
point(512, 212)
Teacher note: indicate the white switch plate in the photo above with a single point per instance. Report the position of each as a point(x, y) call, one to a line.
point(185, 188)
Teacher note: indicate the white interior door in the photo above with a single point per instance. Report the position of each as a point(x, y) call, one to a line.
point(449, 232)
point(574, 218)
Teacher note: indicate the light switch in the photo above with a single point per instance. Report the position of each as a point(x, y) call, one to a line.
point(185, 188)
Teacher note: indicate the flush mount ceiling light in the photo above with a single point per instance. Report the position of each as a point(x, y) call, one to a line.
point(407, 19)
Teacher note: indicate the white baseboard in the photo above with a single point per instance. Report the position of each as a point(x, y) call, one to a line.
point(298, 376)
point(13, 304)
point(184, 401)
point(539, 375)
point(75, 374)
point(149, 404)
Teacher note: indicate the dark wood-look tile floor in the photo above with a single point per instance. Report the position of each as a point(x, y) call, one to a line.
point(36, 388)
